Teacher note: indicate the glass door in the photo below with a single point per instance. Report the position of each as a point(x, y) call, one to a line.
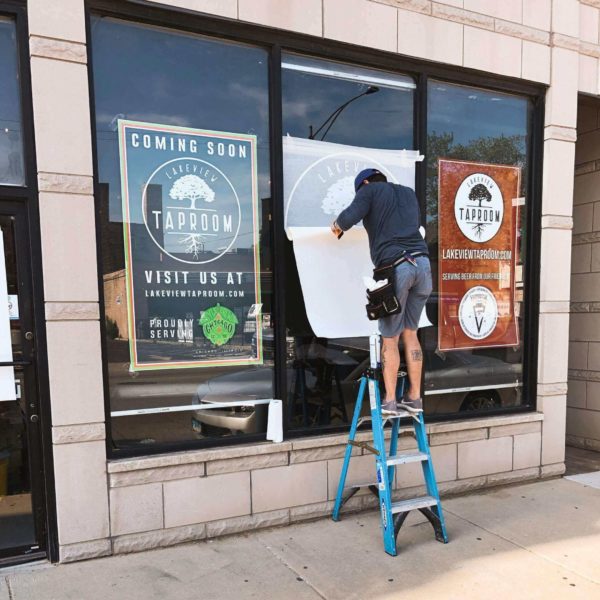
point(22, 517)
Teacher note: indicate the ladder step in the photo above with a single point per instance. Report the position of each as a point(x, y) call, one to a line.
point(351, 486)
point(401, 414)
point(413, 504)
point(407, 457)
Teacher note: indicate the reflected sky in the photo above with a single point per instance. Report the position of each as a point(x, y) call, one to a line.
point(471, 113)
point(10, 110)
point(378, 120)
point(11, 145)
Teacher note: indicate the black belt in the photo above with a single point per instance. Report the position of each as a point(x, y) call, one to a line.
point(379, 271)
point(405, 256)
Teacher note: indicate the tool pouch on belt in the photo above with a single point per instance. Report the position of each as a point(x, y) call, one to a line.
point(383, 302)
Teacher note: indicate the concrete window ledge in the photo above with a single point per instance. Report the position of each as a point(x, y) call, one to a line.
point(267, 454)
point(529, 417)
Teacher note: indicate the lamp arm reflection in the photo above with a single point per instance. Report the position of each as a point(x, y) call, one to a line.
point(372, 89)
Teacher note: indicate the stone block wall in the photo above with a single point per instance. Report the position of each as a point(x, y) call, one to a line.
point(163, 500)
point(583, 403)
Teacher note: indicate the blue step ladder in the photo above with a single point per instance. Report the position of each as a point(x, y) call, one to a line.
point(393, 514)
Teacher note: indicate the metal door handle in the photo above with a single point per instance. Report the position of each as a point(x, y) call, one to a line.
point(16, 363)
point(34, 418)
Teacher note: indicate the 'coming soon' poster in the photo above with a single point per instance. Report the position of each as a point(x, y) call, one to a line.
point(190, 228)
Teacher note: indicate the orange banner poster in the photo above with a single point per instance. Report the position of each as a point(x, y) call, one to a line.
point(477, 243)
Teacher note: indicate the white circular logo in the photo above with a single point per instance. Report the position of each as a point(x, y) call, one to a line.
point(478, 313)
point(191, 210)
point(479, 207)
point(326, 187)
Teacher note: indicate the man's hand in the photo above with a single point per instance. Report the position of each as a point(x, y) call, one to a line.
point(335, 229)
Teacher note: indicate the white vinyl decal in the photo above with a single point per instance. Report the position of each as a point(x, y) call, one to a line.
point(318, 185)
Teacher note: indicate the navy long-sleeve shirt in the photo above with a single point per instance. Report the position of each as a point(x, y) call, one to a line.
point(391, 216)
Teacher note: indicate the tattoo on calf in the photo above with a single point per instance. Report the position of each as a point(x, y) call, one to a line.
point(383, 356)
point(416, 355)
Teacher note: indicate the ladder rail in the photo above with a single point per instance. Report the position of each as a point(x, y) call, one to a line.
point(395, 429)
point(383, 479)
point(339, 498)
point(393, 448)
point(429, 474)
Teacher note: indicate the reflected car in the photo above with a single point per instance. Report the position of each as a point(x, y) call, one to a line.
point(248, 384)
point(459, 381)
point(456, 381)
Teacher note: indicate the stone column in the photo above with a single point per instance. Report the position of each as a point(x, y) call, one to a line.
point(62, 123)
point(560, 135)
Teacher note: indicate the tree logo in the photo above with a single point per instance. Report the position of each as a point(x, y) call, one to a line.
point(218, 324)
point(339, 196)
point(191, 210)
point(478, 312)
point(479, 207)
point(192, 188)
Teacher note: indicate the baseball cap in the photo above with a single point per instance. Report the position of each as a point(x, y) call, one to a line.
point(364, 174)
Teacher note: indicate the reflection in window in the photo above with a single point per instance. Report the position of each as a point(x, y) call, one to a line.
point(368, 108)
point(11, 138)
point(481, 126)
point(177, 81)
point(349, 105)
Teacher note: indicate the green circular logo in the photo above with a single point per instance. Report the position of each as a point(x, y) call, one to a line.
point(218, 324)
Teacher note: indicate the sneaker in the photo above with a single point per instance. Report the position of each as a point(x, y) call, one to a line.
point(413, 406)
point(389, 408)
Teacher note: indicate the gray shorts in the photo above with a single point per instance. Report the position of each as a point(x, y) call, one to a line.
point(413, 286)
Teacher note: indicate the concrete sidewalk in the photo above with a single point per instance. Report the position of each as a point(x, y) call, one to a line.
point(540, 540)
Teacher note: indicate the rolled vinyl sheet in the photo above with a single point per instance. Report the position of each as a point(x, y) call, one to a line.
point(331, 273)
point(319, 180)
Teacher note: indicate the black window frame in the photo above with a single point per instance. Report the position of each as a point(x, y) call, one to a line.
point(276, 41)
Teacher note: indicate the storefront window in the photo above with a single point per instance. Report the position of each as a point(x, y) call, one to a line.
point(337, 119)
point(184, 202)
point(11, 144)
point(477, 172)
point(184, 209)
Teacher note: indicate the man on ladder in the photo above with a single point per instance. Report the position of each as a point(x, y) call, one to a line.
point(391, 216)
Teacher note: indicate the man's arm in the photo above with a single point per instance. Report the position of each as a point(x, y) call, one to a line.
point(357, 210)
